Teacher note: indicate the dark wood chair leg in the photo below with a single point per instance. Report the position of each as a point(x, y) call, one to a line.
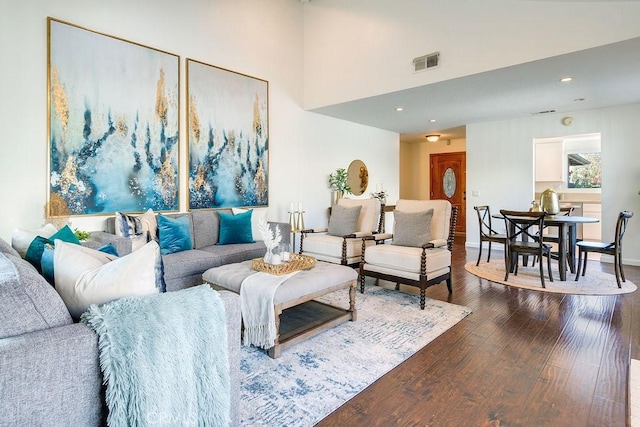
point(584, 265)
point(616, 261)
point(549, 267)
point(540, 264)
point(422, 297)
point(489, 253)
point(361, 280)
point(449, 287)
point(479, 254)
point(579, 264)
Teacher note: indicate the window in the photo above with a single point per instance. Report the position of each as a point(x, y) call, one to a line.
point(583, 170)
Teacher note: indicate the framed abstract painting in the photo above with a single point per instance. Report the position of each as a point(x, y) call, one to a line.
point(228, 138)
point(113, 124)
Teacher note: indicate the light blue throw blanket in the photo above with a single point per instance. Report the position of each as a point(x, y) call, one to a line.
point(164, 358)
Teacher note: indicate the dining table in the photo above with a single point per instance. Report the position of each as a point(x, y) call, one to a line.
point(567, 238)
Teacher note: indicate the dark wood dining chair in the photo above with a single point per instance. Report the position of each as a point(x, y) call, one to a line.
point(487, 233)
point(523, 239)
point(614, 248)
point(555, 238)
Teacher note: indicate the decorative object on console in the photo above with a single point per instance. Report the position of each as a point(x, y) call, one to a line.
point(228, 134)
point(380, 195)
point(113, 134)
point(339, 184)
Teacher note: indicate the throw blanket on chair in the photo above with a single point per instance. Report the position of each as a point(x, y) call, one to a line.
point(256, 304)
point(164, 358)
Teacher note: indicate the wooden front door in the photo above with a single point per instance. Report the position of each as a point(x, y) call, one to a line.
point(448, 182)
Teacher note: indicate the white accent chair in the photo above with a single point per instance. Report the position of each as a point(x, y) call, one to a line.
point(345, 249)
point(420, 264)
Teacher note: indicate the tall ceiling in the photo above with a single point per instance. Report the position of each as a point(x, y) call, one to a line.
point(602, 76)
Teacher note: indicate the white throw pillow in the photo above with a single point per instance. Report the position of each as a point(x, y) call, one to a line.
point(85, 276)
point(21, 239)
point(256, 216)
point(139, 228)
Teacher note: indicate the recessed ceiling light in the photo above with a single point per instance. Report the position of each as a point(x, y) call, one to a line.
point(566, 79)
point(579, 99)
point(399, 108)
point(432, 120)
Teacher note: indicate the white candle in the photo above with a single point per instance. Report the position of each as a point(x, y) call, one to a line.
point(276, 259)
point(299, 206)
point(286, 256)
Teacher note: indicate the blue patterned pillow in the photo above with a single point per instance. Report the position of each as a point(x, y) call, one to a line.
point(174, 234)
point(235, 228)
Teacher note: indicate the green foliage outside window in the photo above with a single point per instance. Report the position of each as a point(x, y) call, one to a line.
point(586, 176)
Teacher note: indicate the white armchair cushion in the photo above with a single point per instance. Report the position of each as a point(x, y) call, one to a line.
point(369, 214)
point(325, 244)
point(405, 258)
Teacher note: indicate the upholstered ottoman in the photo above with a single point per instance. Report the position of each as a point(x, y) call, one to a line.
point(297, 315)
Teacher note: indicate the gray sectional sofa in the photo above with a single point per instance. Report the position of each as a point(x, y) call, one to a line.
point(184, 269)
point(49, 366)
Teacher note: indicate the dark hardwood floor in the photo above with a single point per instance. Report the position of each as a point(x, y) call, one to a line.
point(522, 358)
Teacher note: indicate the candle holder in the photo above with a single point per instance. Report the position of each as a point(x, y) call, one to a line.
point(300, 220)
point(293, 221)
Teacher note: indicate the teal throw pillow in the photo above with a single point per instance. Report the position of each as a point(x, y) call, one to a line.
point(175, 234)
point(235, 228)
point(36, 248)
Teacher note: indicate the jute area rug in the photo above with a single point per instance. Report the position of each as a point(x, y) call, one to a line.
point(593, 283)
point(313, 378)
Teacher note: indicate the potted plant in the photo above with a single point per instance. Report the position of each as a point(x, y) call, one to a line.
point(338, 183)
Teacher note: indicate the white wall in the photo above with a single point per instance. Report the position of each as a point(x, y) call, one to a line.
point(500, 166)
point(373, 42)
point(254, 37)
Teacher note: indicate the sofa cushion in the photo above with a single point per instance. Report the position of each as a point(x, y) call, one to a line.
point(174, 234)
point(139, 228)
point(36, 248)
point(206, 224)
point(257, 216)
point(343, 220)
point(21, 239)
point(27, 302)
point(412, 228)
point(235, 228)
point(94, 277)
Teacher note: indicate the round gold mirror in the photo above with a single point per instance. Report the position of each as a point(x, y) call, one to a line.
point(358, 177)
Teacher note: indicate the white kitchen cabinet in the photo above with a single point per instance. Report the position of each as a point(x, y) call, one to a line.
point(549, 161)
point(592, 231)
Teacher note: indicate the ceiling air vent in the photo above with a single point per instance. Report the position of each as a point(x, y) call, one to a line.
point(425, 62)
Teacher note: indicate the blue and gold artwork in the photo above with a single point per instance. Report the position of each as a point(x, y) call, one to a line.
point(113, 123)
point(228, 138)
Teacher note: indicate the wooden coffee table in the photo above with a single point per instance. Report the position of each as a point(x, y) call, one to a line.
point(297, 315)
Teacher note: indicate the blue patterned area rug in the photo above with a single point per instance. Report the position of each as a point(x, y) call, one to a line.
point(313, 378)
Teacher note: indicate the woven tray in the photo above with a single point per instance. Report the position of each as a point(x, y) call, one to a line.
point(298, 262)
